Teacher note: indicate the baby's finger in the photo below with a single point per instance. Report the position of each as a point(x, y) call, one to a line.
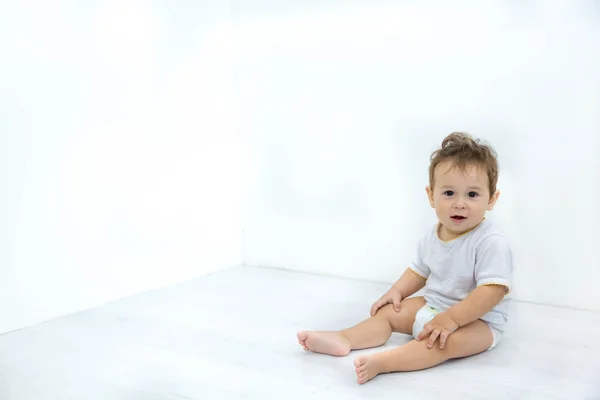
point(423, 334)
point(396, 302)
point(373, 309)
point(377, 306)
point(433, 337)
point(443, 338)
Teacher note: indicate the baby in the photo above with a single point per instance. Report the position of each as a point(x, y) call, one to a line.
point(464, 263)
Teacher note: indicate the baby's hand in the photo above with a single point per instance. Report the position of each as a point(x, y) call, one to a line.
point(441, 325)
point(392, 296)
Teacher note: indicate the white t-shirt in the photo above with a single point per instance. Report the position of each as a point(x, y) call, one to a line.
point(455, 268)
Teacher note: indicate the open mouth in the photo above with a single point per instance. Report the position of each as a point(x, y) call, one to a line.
point(458, 218)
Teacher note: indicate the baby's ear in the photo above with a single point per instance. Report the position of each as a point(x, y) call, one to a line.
point(429, 192)
point(493, 200)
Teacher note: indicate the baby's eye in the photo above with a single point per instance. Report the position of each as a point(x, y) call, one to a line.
point(473, 194)
point(448, 193)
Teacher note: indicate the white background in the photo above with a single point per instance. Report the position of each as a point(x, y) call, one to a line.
point(119, 152)
point(140, 140)
point(344, 102)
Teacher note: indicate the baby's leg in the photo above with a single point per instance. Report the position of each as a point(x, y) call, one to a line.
point(471, 339)
point(372, 332)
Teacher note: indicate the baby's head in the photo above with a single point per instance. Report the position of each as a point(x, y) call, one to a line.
point(462, 183)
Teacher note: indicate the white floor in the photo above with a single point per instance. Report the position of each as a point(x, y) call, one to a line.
point(231, 335)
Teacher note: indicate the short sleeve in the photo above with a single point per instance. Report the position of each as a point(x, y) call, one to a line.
point(417, 264)
point(494, 262)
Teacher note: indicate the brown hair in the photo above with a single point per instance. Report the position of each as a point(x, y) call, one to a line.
point(464, 151)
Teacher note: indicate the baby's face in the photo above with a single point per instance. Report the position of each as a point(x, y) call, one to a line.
point(460, 198)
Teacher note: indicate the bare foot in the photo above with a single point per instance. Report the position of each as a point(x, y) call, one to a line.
point(331, 343)
point(367, 368)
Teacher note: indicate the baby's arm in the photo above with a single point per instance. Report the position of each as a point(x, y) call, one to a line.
point(493, 271)
point(409, 283)
point(416, 275)
point(478, 303)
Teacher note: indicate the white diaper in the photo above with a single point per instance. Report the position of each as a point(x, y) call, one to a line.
point(427, 313)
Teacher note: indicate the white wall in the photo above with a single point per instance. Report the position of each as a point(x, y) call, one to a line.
point(343, 103)
point(119, 152)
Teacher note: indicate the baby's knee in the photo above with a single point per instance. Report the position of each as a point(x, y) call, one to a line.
point(400, 318)
point(385, 310)
point(391, 313)
point(394, 310)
